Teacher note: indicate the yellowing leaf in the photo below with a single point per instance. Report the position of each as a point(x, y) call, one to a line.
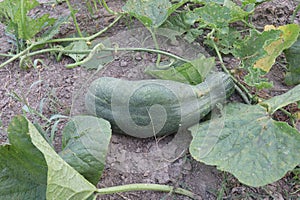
point(289, 35)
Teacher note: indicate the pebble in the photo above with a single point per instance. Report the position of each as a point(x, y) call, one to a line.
point(123, 63)
point(138, 57)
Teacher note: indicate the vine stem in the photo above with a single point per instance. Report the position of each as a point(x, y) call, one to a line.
point(74, 18)
point(241, 89)
point(107, 8)
point(148, 187)
point(99, 47)
point(153, 31)
point(295, 13)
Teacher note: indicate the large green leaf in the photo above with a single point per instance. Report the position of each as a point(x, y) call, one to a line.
point(251, 145)
point(151, 13)
point(23, 169)
point(85, 144)
point(219, 16)
point(63, 182)
point(31, 169)
point(248, 143)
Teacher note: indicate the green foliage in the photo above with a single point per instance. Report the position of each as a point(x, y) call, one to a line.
point(14, 15)
point(182, 23)
point(255, 78)
point(248, 143)
point(292, 57)
point(23, 169)
point(150, 13)
point(218, 16)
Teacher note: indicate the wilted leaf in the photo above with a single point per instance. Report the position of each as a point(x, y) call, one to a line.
point(77, 46)
point(251, 48)
point(288, 36)
point(248, 143)
point(193, 72)
point(100, 58)
point(85, 144)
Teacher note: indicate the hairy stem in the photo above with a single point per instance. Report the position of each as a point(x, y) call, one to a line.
point(152, 31)
point(239, 87)
point(107, 8)
point(74, 18)
point(295, 13)
point(25, 51)
point(148, 187)
point(99, 47)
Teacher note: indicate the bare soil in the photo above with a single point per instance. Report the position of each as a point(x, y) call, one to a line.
point(52, 89)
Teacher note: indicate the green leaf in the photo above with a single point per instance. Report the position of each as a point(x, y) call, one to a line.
point(85, 144)
point(255, 78)
point(53, 30)
point(150, 13)
point(23, 169)
point(182, 23)
point(225, 41)
point(218, 16)
point(280, 101)
point(193, 72)
point(215, 16)
point(248, 143)
point(292, 77)
point(77, 46)
point(236, 12)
